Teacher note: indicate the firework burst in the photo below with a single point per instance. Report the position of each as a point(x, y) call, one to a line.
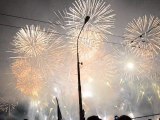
point(137, 75)
point(29, 79)
point(134, 68)
point(101, 21)
point(43, 50)
point(101, 16)
point(87, 46)
point(21, 68)
point(31, 41)
point(142, 36)
point(52, 59)
point(131, 67)
point(104, 63)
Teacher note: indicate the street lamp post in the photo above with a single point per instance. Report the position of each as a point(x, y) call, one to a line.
point(81, 111)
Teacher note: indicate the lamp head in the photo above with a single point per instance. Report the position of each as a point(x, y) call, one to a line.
point(86, 19)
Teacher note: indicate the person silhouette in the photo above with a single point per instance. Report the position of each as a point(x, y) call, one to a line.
point(124, 117)
point(93, 118)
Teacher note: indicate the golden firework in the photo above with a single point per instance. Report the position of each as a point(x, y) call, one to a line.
point(29, 79)
point(21, 68)
point(101, 68)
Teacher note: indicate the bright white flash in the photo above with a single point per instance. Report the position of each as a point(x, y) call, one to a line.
point(130, 65)
point(131, 115)
point(87, 94)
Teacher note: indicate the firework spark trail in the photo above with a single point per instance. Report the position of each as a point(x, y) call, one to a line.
point(138, 81)
point(101, 21)
point(6, 106)
point(60, 15)
point(93, 82)
point(127, 62)
point(142, 36)
point(21, 68)
point(103, 62)
point(87, 47)
point(54, 55)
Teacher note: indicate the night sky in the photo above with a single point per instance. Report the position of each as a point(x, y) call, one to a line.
point(125, 11)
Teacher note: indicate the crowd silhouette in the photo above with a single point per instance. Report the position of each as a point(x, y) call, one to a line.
point(123, 117)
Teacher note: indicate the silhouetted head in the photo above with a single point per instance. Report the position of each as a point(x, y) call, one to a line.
point(116, 117)
point(93, 118)
point(124, 117)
